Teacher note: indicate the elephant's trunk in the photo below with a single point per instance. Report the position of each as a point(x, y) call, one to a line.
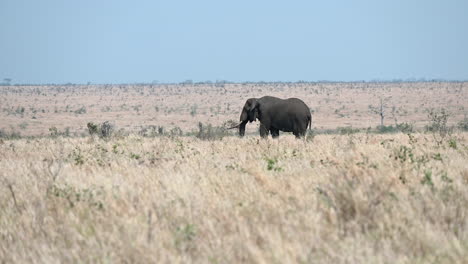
point(242, 129)
point(235, 126)
point(244, 116)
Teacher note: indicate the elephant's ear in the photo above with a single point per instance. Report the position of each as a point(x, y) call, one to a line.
point(243, 116)
point(255, 113)
point(255, 104)
point(255, 109)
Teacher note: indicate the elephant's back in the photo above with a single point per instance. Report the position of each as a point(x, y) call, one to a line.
point(284, 108)
point(298, 104)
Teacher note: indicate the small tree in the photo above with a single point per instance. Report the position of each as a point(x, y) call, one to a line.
point(438, 125)
point(380, 110)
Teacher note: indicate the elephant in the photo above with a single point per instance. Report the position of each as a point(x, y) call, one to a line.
point(275, 114)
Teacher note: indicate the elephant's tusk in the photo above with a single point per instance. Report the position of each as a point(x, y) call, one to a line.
point(236, 126)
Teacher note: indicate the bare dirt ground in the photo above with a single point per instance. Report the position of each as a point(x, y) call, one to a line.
point(32, 110)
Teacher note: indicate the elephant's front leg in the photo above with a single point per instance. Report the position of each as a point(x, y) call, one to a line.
point(263, 131)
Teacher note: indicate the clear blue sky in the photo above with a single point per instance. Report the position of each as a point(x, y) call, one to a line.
point(104, 41)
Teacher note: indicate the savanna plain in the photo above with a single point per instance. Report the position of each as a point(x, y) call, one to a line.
point(171, 185)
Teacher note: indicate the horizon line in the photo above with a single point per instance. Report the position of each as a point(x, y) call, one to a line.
point(192, 82)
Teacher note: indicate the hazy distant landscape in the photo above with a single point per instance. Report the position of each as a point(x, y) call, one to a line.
point(33, 110)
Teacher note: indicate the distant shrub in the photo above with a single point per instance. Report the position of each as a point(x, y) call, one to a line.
point(405, 127)
point(386, 129)
point(92, 128)
point(176, 131)
point(81, 110)
point(66, 132)
point(148, 131)
point(151, 131)
point(54, 132)
point(193, 110)
point(23, 125)
point(9, 135)
point(106, 129)
point(347, 130)
point(103, 130)
point(20, 110)
point(438, 125)
point(463, 124)
point(399, 127)
point(209, 132)
point(120, 133)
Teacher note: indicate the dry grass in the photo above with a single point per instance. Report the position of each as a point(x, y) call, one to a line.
point(337, 199)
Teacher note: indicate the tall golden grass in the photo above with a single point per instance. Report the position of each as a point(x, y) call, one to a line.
point(362, 198)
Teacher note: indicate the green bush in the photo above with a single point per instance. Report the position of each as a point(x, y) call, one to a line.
point(453, 143)
point(272, 164)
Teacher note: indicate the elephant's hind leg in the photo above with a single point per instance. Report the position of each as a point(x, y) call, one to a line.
point(274, 133)
point(299, 134)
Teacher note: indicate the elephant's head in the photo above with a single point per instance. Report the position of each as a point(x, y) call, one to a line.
point(249, 114)
point(250, 110)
